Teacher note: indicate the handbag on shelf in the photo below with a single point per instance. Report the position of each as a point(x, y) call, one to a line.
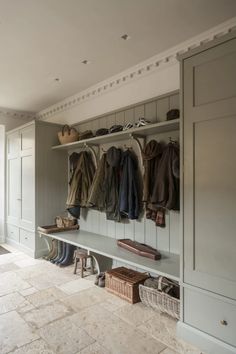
point(68, 134)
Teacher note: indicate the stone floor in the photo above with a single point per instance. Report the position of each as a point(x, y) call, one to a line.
point(48, 310)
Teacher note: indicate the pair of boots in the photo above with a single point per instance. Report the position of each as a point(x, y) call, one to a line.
point(61, 253)
point(66, 256)
point(100, 280)
point(53, 250)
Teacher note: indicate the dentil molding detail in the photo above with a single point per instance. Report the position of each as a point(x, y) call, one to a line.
point(11, 113)
point(157, 62)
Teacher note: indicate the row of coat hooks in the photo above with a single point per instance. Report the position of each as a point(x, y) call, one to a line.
point(131, 136)
point(126, 147)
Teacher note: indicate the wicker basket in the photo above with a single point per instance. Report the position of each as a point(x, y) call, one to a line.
point(68, 135)
point(159, 301)
point(63, 222)
point(124, 282)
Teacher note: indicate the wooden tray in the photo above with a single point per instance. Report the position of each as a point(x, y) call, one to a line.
point(53, 228)
point(139, 248)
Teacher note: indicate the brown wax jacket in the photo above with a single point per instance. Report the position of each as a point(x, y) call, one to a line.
point(97, 191)
point(81, 181)
point(166, 187)
point(151, 158)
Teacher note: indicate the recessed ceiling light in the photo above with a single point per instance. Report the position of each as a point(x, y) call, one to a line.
point(125, 37)
point(86, 62)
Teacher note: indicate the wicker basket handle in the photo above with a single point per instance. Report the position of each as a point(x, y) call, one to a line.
point(65, 128)
point(159, 283)
point(73, 129)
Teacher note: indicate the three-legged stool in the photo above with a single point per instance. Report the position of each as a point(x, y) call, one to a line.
point(82, 256)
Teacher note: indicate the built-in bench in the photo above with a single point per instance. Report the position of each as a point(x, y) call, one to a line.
point(167, 266)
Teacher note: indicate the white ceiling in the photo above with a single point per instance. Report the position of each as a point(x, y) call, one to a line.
point(44, 39)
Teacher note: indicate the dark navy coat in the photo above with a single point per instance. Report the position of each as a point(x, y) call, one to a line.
point(129, 198)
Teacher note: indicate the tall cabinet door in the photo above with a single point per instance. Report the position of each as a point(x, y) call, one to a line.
point(13, 179)
point(27, 170)
point(209, 85)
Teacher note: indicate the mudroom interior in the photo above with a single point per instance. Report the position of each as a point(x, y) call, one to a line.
point(117, 177)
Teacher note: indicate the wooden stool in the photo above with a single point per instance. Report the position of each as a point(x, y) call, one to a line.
point(82, 256)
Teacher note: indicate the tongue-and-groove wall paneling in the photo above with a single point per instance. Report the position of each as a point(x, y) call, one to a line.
point(141, 230)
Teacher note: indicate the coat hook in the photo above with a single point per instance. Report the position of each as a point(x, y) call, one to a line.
point(171, 140)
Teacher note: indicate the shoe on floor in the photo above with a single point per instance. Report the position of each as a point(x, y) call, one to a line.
point(100, 280)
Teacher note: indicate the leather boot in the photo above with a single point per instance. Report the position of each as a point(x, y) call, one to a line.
point(52, 250)
point(58, 256)
point(54, 253)
point(68, 260)
point(63, 254)
point(49, 252)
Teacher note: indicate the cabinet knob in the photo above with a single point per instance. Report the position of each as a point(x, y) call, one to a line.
point(26, 238)
point(223, 322)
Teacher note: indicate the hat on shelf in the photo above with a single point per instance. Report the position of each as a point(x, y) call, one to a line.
point(102, 131)
point(86, 135)
point(172, 114)
point(115, 128)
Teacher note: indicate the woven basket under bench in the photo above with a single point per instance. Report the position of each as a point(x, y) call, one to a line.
point(124, 283)
point(159, 301)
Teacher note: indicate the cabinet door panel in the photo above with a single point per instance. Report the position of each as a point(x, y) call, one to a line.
point(210, 170)
point(13, 232)
point(215, 197)
point(213, 313)
point(27, 192)
point(27, 238)
point(13, 191)
point(13, 145)
point(27, 138)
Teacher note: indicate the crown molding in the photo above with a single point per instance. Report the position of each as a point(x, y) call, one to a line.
point(153, 64)
point(11, 113)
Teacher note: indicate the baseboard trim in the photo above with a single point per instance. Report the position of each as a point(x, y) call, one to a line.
point(18, 246)
point(32, 253)
point(205, 342)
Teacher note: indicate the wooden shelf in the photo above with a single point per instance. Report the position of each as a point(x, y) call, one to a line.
point(149, 129)
point(167, 266)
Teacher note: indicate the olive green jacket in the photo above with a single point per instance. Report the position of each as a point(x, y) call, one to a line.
point(81, 181)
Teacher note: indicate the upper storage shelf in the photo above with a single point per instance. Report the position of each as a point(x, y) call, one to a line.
point(149, 129)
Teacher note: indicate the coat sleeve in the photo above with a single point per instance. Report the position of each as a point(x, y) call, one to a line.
point(96, 196)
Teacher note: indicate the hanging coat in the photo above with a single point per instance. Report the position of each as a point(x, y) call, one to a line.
point(151, 158)
point(81, 181)
point(97, 191)
point(112, 182)
point(129, 201)
point(73, 161)
point(166, 188)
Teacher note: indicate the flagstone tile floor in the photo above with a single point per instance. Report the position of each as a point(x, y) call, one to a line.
point(48, 310)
